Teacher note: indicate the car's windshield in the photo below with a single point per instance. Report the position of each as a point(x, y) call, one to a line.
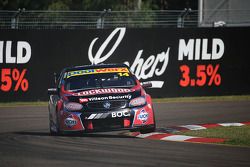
point(99, 80)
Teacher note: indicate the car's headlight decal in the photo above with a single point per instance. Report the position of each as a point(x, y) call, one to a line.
point(72, 106)
point(139, 101)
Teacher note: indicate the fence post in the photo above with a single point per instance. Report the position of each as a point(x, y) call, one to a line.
point(101, 19)
point(15, 19)
point(181, 17)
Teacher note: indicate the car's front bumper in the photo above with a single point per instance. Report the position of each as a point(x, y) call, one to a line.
point(121, 119)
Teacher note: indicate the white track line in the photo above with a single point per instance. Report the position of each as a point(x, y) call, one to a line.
point(177, 138)
point(193, 127)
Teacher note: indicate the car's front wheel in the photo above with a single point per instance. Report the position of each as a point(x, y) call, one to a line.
point(147, 130)
point(53, 128)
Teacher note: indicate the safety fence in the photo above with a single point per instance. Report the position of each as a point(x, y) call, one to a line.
point(224, 17)
point(23, 19)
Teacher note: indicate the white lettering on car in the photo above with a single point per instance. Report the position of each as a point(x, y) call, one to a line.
point(120, 114)
point(102, 91)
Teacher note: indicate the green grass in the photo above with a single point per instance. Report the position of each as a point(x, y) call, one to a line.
point(239, 136)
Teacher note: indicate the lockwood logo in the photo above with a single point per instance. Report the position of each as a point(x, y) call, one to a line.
point(154, 65)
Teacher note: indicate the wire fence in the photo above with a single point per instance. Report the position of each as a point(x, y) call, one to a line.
point(22, 19)
point(225, 17)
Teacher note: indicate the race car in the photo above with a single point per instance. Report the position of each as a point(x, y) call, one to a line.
point(102, 97)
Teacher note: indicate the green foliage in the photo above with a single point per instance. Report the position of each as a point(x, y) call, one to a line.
point(97, 5)
point(27, 4)
point(59, 5)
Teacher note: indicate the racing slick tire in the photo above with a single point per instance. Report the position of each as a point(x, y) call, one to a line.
point(52, 132)
point(147, 130)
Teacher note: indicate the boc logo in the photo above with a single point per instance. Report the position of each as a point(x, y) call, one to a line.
point(143, 116)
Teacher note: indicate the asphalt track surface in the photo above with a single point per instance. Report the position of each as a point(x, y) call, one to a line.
point(25, 141)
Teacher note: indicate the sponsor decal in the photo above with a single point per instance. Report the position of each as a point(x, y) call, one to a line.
point(109, 98)
point(120, 114)
point(73, 106)
point(98, 116)
point(96, 71)
point(70, 121)
point(83, 100)
point(137, 102)
point(103, 91)
point(23, 52)
point(154, 65)
point(143, 116)
point(14, 78)
point(106, 104)
point(199, 50)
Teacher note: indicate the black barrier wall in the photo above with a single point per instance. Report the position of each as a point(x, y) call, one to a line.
point(179, 62)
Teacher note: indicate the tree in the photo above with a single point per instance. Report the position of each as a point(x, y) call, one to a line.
point(98, 5)
point(60, 5)
point(27, 4)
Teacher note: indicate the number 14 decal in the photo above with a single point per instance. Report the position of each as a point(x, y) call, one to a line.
point(123, 74)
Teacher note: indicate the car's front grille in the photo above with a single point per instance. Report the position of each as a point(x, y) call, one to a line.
point(111, 104)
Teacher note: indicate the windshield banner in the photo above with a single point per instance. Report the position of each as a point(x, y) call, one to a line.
point(96, 71)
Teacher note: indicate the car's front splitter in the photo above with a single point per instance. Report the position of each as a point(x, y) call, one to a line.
point(129, 118)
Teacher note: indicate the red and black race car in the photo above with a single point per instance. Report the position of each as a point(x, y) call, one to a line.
point(99, 98)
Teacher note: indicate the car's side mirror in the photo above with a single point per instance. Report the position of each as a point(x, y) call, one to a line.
point(56, 76)
point(146, 84)
point(52, 91)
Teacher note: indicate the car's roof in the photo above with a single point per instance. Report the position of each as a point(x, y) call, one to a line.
point(83, 67)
